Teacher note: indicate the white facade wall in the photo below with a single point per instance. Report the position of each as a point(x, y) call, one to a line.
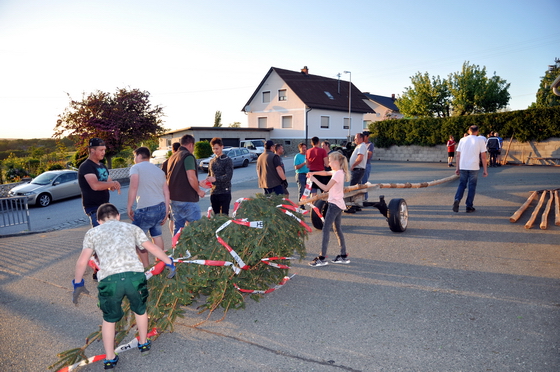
point(294, 107)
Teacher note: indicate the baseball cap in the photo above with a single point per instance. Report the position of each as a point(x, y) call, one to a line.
point(96, 142)
point(268, 144)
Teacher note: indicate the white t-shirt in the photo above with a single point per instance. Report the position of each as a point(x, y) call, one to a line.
point(151, 180)
point(470, 148)
point(115, 244)
point(360, 149)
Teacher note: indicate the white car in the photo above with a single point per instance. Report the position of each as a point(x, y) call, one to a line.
point(255, 147)
point(159, 156)
point(49, 186)
point(240, 156)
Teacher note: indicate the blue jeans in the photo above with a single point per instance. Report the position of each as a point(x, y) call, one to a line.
point(332, 220)
point(150, 219)
point(92, 214)
point(301, 180)
point(467, 178)
point(365, 178)
point(183, 212)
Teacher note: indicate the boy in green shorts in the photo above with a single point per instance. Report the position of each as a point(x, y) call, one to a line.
point(121, 274)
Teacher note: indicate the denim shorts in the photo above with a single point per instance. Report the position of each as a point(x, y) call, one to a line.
point(183, 212)
point(150, 219)
point(112, 290)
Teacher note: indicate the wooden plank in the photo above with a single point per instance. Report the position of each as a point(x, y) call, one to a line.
point(544, 218)
point(557, 208)
point(522, 209)
point(535, 213)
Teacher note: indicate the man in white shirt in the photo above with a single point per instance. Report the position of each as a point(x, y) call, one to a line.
point(468, 155)
point(357, 165)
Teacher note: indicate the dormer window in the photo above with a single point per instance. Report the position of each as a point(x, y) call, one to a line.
point(282, 95)
point(329, 95)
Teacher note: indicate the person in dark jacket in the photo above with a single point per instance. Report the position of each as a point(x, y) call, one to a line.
point(220, 172)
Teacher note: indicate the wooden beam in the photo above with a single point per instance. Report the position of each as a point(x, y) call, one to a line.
point(544, 218)
point(535, 213)
point(522, 209)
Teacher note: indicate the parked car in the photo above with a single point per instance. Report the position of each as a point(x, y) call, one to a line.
point(49, 186)
point(240, 156)
point(255, 147)
point(159, 156)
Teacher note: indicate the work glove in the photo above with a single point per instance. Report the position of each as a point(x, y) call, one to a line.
point(79, 288)
point(285, 184)
point(172, 269)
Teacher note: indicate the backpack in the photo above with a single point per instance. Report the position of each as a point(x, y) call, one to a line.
point(493, 143)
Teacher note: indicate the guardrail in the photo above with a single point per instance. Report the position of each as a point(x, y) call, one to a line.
point(14, 211)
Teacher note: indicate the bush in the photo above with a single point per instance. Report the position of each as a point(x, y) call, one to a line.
point(119, 163)
point(202, 149)
point(15, 174)
point(525, 125)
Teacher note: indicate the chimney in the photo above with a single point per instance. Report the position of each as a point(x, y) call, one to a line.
point(393, 96)
point(305, 70)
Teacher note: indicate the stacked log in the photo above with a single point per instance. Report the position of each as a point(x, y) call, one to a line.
point(553, 196)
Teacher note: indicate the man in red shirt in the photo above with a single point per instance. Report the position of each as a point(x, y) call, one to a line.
point(317, 160)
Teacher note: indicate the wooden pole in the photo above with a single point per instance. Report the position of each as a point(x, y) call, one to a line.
point(522, 209)
point(535, 213)
point(544, 218)
point(504, 160)
point(350, 189)
point(557, 208)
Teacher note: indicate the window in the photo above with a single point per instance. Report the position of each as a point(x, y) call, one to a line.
point(325, 122)
point(282, 95)
point(366, 124)
point(346, 123)
point(262, 122)
point(266, 97)
point(329, 95)
point(286, 121)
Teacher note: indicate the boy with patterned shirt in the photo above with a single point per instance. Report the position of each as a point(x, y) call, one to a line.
point(121, 274)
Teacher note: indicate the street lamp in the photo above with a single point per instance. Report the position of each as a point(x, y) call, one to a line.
point(349, 104)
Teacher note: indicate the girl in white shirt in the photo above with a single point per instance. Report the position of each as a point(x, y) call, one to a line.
point(336, 205)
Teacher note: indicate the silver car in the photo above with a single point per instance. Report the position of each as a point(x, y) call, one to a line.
point(240, 156)
point(49, 186)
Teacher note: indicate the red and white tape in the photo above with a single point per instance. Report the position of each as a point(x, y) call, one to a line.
point(124, 347)
point(279, 285)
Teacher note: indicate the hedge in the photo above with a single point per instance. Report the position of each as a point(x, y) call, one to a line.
point(536, 124)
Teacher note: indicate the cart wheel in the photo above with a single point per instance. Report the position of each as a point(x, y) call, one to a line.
point(315, 219)
point(397, 215)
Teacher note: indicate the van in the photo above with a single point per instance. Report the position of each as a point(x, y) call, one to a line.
point(255, 146)
point(159, 156)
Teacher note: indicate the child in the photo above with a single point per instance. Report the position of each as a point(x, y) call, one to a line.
point(335, 188)
point(121, 274)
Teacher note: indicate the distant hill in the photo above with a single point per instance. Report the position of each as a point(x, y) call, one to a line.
point(23, 147)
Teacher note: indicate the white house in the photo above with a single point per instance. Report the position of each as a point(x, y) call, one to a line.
point(298, 106)
point(384, 108)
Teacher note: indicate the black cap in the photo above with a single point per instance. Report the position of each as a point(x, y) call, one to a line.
point(96, 142)
point(268, 144)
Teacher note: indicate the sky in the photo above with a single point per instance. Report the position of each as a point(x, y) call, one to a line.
point(199, 57)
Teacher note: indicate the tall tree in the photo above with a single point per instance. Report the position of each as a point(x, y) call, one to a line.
point(474, 93)
point(218, 119)
point(545, 96)
point(123, 119)
point(426, 97)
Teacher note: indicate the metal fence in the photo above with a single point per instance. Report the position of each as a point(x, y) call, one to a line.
point(14, 211)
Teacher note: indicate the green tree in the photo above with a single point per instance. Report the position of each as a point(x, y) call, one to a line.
point(235, 124)
point(474, 93)
point(125, 118)
point(545, 96)
point(426, 97)
point(218, 119)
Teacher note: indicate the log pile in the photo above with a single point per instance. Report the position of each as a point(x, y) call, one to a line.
point(552, 196)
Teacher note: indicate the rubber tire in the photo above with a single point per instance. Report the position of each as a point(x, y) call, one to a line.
point(43, 200)
point(245, 163)
point(397, 215)
point(315, 219)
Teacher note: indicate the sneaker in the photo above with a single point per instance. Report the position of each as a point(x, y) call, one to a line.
point(94, 276)
point(470, 209)
point(341, 260)
point(144, 348)
point(110, 364)
point(317, 261)
point(350, 210)
point(456, 206)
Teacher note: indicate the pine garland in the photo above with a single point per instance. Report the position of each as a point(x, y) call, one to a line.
point(215, 286)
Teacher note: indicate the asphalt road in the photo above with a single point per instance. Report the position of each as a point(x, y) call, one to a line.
point(454, 292)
